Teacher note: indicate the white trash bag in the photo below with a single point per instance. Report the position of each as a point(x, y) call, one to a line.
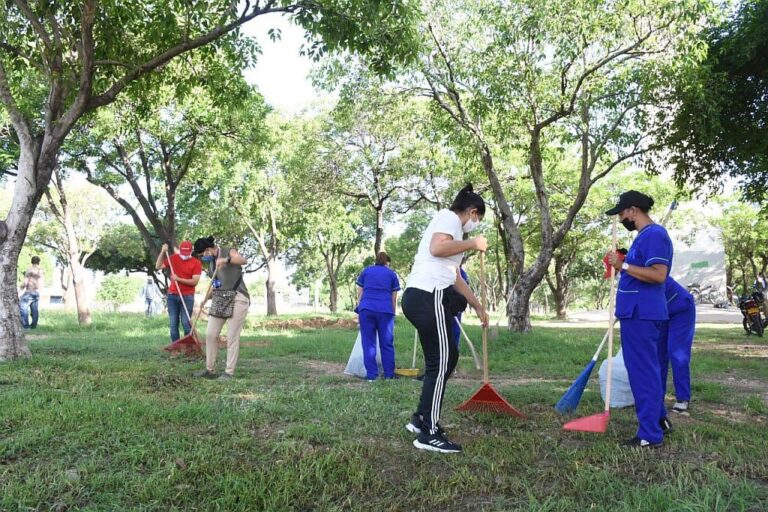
point(621, 393)
point(356, 365)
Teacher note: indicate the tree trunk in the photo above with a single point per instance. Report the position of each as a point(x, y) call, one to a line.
point(80, 285)
point(379, 231)
point(73, 255)
point(13, 232)
point(271, 297)
point(518, 308)
point(334, 295)
point(560, 290)
point(70, 303)
point(561, 304)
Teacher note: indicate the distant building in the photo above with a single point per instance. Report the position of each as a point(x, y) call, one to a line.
point(701, 260)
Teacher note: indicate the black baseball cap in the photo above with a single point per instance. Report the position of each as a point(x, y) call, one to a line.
point(631, 198)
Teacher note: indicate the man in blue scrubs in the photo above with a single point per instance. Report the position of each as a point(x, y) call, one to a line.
point(676, 342)
point(641, 307)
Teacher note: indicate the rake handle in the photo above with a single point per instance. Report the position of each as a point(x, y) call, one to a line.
point(207, 291)
point(611, 314)
point(469, 342)
point(484, 303)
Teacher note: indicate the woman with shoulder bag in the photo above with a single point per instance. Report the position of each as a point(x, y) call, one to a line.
point(229, 303)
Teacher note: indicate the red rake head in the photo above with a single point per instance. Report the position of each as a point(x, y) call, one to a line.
point(189, 344)
point(594, 423)
point(487, 399)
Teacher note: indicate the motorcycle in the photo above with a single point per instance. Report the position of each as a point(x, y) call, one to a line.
point(750, 306)
point(704, 295)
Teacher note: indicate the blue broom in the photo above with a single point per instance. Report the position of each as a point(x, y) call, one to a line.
point(570, 399)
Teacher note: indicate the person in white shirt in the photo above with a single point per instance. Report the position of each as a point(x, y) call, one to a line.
point(434, 294)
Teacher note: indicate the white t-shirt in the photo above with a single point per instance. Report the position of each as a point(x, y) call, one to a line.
point(430, 273)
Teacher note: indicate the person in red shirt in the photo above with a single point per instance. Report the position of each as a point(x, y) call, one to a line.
point(184, 275)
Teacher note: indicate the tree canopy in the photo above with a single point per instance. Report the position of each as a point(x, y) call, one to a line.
point(721, 129)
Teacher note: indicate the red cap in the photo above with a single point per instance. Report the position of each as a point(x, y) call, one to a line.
point(185, 249)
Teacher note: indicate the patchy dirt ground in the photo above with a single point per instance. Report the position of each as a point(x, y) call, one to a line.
point(736, 349)
point(311, 323)
point(323, 367)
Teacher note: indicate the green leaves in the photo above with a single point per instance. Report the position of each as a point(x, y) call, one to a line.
point(721, 128)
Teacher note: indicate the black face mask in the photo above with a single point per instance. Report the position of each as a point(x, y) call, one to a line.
point(630, 225)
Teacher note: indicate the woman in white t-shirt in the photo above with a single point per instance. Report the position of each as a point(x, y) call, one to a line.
point(434, 293)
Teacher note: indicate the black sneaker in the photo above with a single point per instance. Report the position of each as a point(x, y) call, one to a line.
point(205, 374)
point(636, 442)
point(666, 425)
point(436, 443)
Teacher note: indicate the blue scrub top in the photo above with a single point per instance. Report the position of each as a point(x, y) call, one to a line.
point(678, 298)
point(636, 299)
point(378, 282)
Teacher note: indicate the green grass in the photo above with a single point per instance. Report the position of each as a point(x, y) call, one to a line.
point(101, 419)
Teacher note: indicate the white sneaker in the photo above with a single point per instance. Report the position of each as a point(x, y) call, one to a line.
point(681, 407)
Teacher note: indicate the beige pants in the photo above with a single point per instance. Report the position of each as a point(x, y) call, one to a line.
point(234, 326)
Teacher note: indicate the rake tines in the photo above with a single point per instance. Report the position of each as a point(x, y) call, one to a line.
point(487, 399)
point(189, 345)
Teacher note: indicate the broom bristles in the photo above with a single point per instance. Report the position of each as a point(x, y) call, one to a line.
point(595, 423)
point(572, 396)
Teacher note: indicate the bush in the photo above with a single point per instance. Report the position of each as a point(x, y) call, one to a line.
point(118, 290)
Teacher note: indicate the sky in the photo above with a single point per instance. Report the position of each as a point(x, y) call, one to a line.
point(281, 74)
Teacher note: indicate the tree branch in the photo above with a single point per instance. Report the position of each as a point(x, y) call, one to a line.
point(37, 25)
point(19, 122)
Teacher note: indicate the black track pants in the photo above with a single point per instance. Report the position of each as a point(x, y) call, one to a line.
point(433, 322)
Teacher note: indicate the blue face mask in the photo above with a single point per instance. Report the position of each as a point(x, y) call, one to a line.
point(207, 258)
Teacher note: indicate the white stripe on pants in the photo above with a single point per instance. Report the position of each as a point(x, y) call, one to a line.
point(442, 337)
point(234, 326)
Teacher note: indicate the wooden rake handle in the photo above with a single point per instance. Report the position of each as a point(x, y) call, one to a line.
point(611, 314)
point(484, 304)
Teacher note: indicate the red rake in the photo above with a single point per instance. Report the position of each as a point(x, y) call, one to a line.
point(599, 422)
point(487, 399)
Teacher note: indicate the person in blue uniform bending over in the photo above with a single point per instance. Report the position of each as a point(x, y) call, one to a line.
point(641, 307)
point(676, 342)
point(377, 288)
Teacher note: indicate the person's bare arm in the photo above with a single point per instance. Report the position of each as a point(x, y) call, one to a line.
point(234, 258)
point(188, 282)
point(161, 257)
point(443, 245)
point(463, 288)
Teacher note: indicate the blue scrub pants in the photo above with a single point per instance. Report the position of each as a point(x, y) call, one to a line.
point(640, 346)
point(383, 324)
point(675, 348)
point(457, 331)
